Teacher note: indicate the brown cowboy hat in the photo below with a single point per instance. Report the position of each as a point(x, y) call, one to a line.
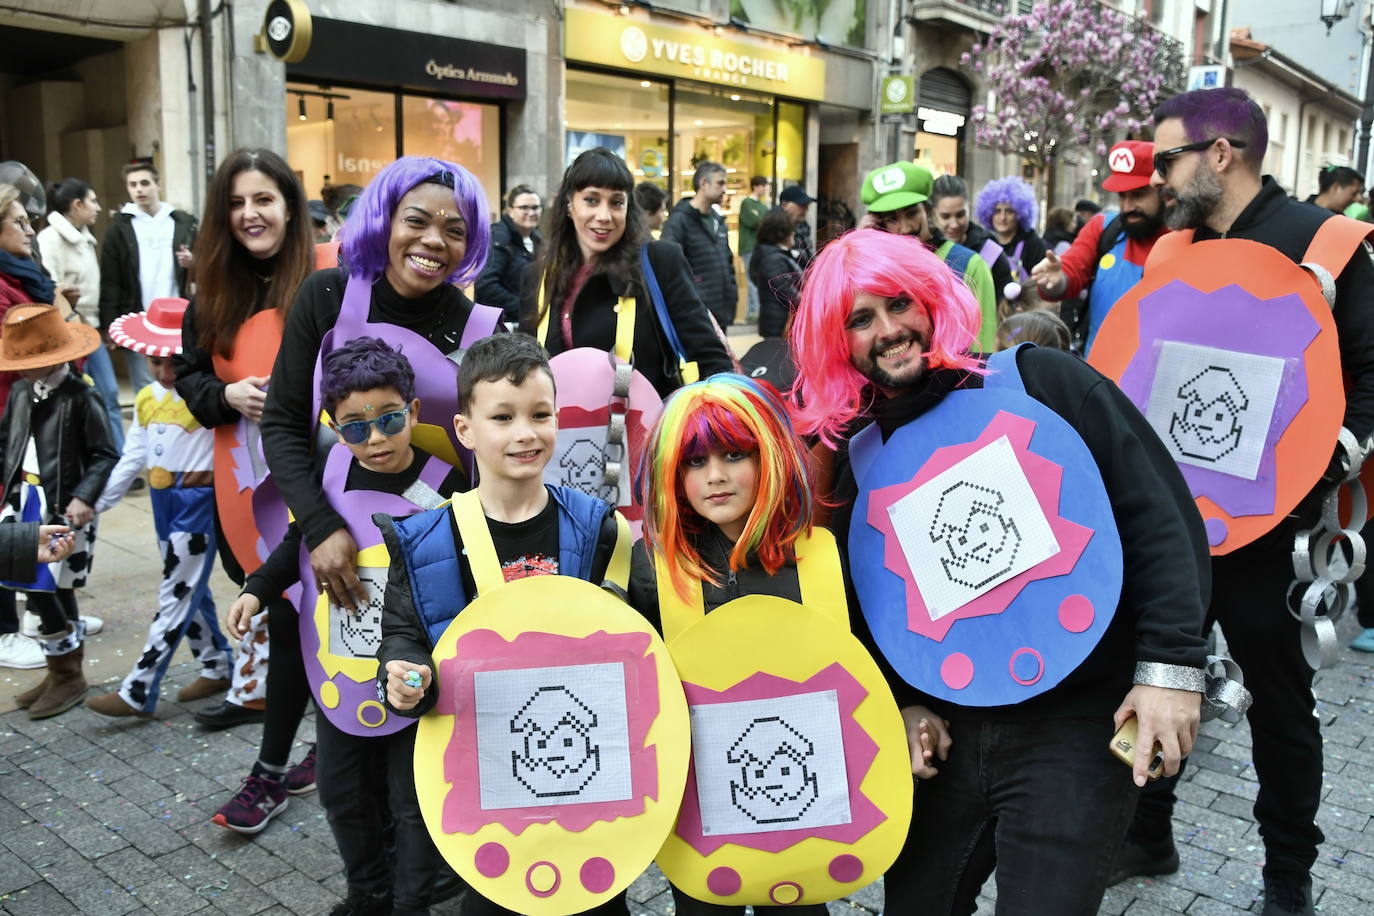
point(35, 336)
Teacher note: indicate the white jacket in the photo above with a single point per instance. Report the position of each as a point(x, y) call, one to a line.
point(69, 256)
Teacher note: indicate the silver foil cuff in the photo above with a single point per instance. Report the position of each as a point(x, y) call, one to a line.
point(1175, 677)
point(1225, 697)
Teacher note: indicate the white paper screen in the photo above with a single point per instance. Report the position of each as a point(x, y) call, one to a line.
point(579, 461)
point(358, 635)
point(971, 528)
point(766, 765)
point(552, 736)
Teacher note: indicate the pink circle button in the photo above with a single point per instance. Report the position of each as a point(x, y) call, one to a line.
point(597, 875)
point(542, 879)
point(956, 671)
point(1026, 666)
point(723, 881)
point(491, 860)
point(846, 868)
point(1076, 613)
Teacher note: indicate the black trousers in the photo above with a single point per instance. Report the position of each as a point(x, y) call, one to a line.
point(1041, 800)
point(1364, 586)
point(687, 905)
point(1248, 601)
point(367, 785)
point(288, 691)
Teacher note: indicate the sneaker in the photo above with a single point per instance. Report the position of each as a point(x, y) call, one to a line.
point(364, 905)
point(1285, 895)
point(31, 624)
point(300, 779)
point(227, 715)
point(18, 651)
point(257, 802)
point(1141, 858)
point(1364, 642)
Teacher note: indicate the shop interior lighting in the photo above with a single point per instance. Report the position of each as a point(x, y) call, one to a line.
point(645, 83)
point(329, 110)
point(300, 106)
point(734, 98)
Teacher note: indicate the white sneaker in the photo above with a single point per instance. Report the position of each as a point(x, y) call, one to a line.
point(31, 624)
point(18, 651)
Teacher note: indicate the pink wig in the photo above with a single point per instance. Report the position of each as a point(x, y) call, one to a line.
point(829, 391)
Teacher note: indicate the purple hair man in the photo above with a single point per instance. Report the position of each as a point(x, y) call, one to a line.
point(368, 230)
point(363, 364)
point(1012, 191)
point(1230, 113)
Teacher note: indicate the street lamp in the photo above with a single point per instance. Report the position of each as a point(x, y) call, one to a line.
point(1333, 11)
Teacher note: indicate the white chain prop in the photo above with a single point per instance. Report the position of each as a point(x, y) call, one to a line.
point(616, 473)
point(1319, 594)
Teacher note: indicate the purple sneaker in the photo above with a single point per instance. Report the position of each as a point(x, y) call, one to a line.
point(256, 803)
point(300, 779)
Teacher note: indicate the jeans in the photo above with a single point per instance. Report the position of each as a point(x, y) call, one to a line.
point(137, 366)
point(101, 369)
point(1364, 587)
point(753, 312)
point(1248, 589)
point(1041, 800)
point(365, 784)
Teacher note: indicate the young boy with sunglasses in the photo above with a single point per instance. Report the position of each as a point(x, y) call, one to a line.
point(368, 391)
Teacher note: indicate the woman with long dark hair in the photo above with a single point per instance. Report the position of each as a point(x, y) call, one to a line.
point(591, 260)
point(254, 249)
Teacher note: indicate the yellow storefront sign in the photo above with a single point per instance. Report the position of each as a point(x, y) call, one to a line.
point(688, 53)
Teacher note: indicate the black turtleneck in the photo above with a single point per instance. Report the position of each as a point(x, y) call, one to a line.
point(287, 426)
point(1167, 575)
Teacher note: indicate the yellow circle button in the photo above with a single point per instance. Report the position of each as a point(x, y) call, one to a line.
point(329, 695)
point(1108, 261)
point(786, 894)
point(543, 878)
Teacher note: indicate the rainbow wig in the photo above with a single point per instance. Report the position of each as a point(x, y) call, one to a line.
point(1013, 191)
point(726, 412)
point(364, 236)
point(829, 392)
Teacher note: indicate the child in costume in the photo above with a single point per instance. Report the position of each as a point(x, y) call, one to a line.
point(178, 454)
point(508, 420)
point(368, 390)
point(727, 489)
point(57, 453)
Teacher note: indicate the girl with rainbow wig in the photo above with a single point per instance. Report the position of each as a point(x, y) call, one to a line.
point(727, 438)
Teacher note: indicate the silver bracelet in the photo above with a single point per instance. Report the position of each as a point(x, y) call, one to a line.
point(1175, 677)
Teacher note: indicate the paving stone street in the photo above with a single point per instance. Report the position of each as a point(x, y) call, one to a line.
point(112, 817)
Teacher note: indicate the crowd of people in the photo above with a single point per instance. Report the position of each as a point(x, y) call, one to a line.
point(368, 451)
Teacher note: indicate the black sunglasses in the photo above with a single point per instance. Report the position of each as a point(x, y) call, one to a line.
point(358, 431)
point(1162, 160)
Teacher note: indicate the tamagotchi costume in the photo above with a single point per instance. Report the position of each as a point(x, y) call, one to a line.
point(552, 766)
point(983, 546)
point(605, 410)
point(799, 790)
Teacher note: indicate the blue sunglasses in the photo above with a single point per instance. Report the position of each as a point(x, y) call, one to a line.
point(356, 432)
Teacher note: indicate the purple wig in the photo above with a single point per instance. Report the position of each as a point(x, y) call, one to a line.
point(1012, 191)
point(363, 364)
point(366, 233)
point(1211, 113)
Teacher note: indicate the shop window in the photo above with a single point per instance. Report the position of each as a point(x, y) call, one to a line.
point(732, 128)
point(468, 133)
point(624, 114)
point(348, 148)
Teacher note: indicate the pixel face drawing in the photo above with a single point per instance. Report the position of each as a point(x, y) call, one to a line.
point(583, 464)
point(775, 784)
point(556, 758)
point(1207, 419)
point(980, 542)
point(358, 635)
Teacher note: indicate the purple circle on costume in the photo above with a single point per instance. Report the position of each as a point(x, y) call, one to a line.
point(1026, 666)
point(773, 893)
point(1076, 613)
point(1216, 531)
point(529, 882)
point(491, 860)
point(846, 868)
point(597, 875)
point(956, 671)
point(372, 715)
point(723, 881)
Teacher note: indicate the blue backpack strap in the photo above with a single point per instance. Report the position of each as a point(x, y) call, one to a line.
point(665, 320)
point(863, 448)
point(957, 257)
point(426, 542)
point(579, 530)
point(1003, 371)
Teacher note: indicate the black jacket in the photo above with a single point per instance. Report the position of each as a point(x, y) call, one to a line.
point(593, 321)
point(19, 551)
point(75, 450)
point(1167, 578)
point(120, 290)
point(705, 242)
point(504, 279)
point(777, 277)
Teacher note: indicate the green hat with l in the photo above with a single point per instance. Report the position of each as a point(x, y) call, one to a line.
point(896, 186)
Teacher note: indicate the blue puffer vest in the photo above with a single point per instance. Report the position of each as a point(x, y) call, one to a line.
point(436, 581)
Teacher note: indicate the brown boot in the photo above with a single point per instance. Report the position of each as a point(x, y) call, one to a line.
point(30, 696)
point(66, 682)
point(203, 687)
point(113, 706)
